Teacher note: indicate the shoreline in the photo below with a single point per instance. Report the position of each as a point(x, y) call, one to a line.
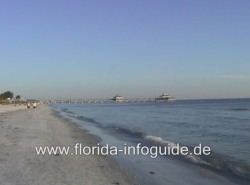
point(21, 131)
point(92, 140)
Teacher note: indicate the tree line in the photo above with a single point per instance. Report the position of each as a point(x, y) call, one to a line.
point(8, 94)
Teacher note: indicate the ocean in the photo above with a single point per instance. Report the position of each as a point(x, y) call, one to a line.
point(222, 125)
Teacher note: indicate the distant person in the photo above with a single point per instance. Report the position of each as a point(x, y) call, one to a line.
point(28, 105)
point(34, 105)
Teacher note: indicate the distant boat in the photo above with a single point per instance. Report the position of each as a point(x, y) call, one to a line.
point(165, 98)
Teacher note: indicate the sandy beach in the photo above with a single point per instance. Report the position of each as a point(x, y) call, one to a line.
point(9, 108)
point(22, 130)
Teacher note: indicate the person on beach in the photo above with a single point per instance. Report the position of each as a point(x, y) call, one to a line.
point(28, 105)
point(34, 105)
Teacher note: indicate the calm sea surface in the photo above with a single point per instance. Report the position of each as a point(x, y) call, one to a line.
point(223, 125)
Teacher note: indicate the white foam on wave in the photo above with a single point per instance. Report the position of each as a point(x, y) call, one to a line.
point(159, 140)
point(197, 160)
point(239, 171)
point(72, 115)
point(192, 158)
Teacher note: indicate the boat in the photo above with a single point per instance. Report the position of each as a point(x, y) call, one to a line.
point(165, 98)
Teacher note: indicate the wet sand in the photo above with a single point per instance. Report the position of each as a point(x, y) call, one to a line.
point(22, 130)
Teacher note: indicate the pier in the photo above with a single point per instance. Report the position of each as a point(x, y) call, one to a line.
point(116, 99)
point(127, 100)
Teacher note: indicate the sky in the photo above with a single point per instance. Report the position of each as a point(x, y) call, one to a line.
point(82, 49)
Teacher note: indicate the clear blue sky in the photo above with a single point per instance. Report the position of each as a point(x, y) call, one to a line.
point(54, 49)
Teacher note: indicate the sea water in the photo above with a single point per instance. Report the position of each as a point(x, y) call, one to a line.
point(222, 125)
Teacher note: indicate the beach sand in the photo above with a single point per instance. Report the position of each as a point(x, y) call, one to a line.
point(8, 108)
point(22, 130)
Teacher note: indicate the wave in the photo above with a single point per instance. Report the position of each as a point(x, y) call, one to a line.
point(159, 140)
point(129, 131)
point(72, 115)
point(82, 118)
point(239, 109)
point(86, 119)
point(206, 161)
point(213, 161)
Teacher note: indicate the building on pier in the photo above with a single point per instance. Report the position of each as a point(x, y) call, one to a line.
point(165, 98)
point(118, 98)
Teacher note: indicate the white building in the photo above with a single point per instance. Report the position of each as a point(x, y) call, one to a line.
point(118, 98)
point(165, 98)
